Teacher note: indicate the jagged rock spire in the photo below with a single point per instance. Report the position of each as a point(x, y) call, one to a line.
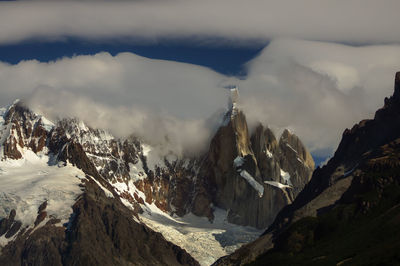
point(233, 97)
point(396, 94)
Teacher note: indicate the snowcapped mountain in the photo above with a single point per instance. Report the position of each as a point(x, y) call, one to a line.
point(82, 196)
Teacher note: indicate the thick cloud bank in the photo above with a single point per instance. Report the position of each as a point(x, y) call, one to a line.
point(155, 99)
point(318, 89)
point(354, 21)
point(315, 88)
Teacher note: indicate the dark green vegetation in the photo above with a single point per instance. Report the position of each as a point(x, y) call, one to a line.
point(361, 229)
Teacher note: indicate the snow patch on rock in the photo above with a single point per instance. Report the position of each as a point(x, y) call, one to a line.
point(277, 184)
point(286, 177)
point(238, 162)
point(28, 182)
point(250, 179)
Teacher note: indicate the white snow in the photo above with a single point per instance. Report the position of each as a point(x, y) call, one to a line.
point(28, 182)
point(146, 149)
point(286, 177)
point(276, 184)
point(130, 188)
point(234, 110)
point(257, 186)
point(290, 147)
point(204, 240)
point(47, 124)
point(347, 173)
point(4, 241)
point(136, 171)
point(105, 190)
point(238, 162)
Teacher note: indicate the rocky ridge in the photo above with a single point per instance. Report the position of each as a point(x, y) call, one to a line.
point(101, 229)
point(348, 214)
point(249, 176)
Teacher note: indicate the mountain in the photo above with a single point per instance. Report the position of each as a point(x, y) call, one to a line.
point(45, 172)
point(251, 176)
point(348, 214)
point(74, 195)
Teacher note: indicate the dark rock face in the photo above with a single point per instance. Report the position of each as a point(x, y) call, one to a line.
point(364, 137)
point(265, 146)
point(170, 185)
point(25, 129)
point(289, 155)
point(9, 226)
point(112, 156)
point(102, 232)
point(349, 212)
point(296, 160)
point(108, 225)
point(261, 157)
point(224, 148)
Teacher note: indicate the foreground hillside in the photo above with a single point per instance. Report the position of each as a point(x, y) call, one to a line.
point(349, 213)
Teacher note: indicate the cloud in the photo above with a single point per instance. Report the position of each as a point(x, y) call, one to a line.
point(154, 99)
point(168, 133)
point(317, 89)
point(180, 89)
point(352, 21)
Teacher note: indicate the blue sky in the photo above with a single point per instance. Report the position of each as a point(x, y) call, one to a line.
point(159, 67)
point(225, 59)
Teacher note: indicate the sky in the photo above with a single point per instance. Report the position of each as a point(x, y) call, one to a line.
point(158, 68)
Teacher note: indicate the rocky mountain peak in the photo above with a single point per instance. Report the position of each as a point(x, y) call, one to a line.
point(293, 142)
point(396, 94)
point(248, 175)
point(264, 137)
point(21, 129)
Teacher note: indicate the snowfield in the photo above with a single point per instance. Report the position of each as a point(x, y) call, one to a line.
point(28, 182)
point(204, 240)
